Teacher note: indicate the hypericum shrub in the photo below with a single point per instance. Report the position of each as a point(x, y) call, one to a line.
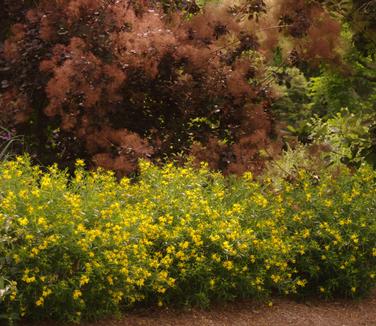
point(332, 224)
point(87, 246)
point(113, 81)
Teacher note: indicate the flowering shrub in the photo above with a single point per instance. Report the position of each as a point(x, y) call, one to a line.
point(89, 246)
point(114, 81)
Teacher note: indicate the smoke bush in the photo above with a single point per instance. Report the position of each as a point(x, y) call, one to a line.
point(114, 81)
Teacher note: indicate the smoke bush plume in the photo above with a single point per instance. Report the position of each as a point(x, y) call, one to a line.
point(113, 81)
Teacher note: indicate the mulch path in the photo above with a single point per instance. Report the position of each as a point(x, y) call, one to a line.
point(283, 312)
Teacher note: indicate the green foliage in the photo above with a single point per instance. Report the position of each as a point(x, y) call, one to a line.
point(292, 160)
point(332, 91)
point(347, 135)
point(89, 246)
point(344, 139)
point(292, 107)
point(350, 84)
point(8, 142)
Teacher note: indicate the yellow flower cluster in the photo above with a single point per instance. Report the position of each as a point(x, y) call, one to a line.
point(86, 245)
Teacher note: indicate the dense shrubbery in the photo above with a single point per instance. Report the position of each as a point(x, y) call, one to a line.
point(113, 81)
point(90, 246)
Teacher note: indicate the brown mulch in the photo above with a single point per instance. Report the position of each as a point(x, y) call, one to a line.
point(283, 312)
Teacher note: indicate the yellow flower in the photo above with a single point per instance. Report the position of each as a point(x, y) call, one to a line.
point(354, 238)
point(13, 296)
point(248, 176)
point(40, 302)
point(306, 233)
point(80, 163)
point(216, 258)
point(16, 258)
point(140, 282)
point(42, 221)
point(184, 245)
point(161, 289)
point(46, 292)
point(23, 221)
point(301, 283)
point(276, 278)
point(34, 252)
point(259, 280)
point(260, 200)
point(228, 264)
point(76, 294)
point(27, 279)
